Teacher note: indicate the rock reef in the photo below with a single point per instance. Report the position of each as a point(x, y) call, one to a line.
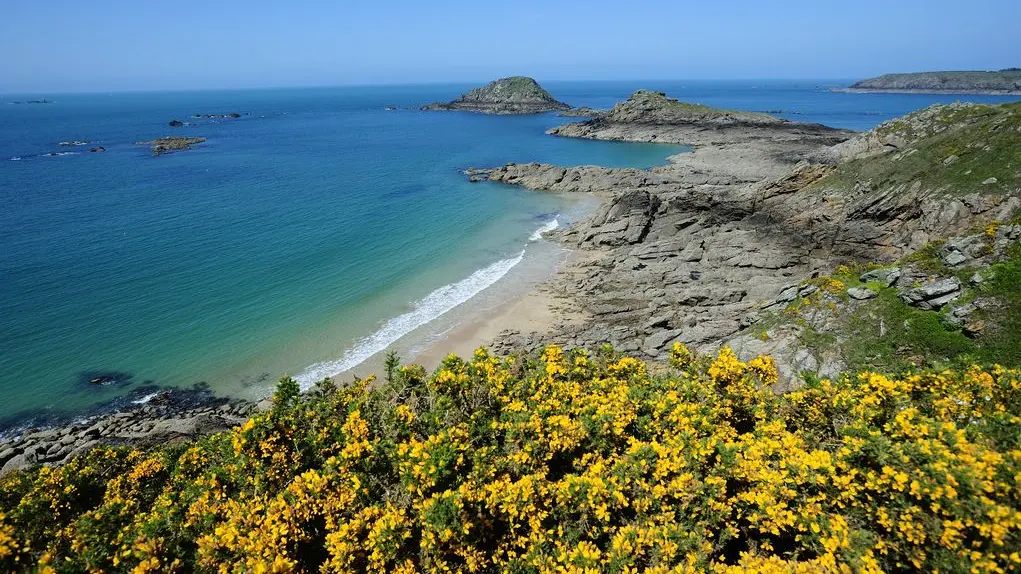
point(506, 96)
point(171, 144)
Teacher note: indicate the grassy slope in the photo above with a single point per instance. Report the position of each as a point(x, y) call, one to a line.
point(985, 139)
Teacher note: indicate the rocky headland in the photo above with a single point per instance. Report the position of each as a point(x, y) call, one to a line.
point(763, 236)
point(1004, 82)
point(506, 96)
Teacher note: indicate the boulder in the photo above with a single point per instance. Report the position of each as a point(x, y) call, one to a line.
point(861, 293)
point(887, 276)
point(934, 295)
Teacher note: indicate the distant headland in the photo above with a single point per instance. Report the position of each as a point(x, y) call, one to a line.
point(1002, 82)
point(506, 96)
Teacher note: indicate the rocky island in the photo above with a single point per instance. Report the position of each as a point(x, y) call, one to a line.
point(1002, 82)
point(171, 144)
point(506, 96)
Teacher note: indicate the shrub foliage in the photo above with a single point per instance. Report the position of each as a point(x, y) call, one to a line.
point(562, 463)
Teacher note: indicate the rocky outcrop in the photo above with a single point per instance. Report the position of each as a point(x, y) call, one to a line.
point(653, 117)
point(701, 250)
point(933, 295)
point(624, 220)
point(514, 95)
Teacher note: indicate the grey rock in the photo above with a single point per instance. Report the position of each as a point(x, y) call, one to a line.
point(989, 181)
point(933, 295)
point(861, 293)
point(624, 220)
point(954, 258)
point(16, 462)
point(658, 340)
point(887, 276)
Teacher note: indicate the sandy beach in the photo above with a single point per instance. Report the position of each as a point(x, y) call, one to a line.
point(538, 310)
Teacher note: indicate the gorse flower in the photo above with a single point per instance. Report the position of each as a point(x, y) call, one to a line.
point(563, 462)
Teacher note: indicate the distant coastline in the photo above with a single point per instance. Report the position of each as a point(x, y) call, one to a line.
point(963, 92)
point(968, 82)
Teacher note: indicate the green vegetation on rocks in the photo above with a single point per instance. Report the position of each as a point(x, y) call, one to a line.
point(954, 149)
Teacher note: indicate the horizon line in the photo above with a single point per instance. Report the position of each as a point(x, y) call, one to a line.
point(42, 93)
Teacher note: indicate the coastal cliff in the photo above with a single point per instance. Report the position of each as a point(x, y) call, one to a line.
point(506, 96)
point(1006, 82)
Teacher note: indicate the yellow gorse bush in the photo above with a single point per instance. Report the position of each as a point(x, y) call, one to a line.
point(561, 463)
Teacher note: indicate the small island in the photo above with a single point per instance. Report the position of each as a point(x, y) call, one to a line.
point(1002, 82)
point(171, 144)
point(506, 96)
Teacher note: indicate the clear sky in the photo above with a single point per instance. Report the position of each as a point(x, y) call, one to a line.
point(109, 45)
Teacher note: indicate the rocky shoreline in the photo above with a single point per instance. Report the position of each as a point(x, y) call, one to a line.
point(161, 420)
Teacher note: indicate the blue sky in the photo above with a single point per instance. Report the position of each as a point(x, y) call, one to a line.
point(109, 45)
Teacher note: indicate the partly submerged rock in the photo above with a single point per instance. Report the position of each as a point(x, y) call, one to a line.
point(514, 95)
point(175, 123)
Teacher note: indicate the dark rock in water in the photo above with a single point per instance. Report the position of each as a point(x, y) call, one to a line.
point(105, 378)
point(175, 123)
point(97, 149)
point(171, 144)
point(514, 95)
point(391, 108)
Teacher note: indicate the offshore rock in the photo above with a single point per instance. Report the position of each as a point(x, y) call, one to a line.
point(513, 95)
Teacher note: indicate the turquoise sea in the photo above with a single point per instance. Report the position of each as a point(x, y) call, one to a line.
point(314, 231)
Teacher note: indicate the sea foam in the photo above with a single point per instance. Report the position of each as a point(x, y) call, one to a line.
point(550, 226)
point(423, 311)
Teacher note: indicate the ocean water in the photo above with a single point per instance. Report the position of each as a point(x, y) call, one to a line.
point(303, 238)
